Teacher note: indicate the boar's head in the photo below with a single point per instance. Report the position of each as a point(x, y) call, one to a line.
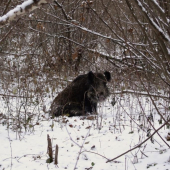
point(82, 95)
point(98, 90)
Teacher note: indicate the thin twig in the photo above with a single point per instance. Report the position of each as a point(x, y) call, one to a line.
point(140, 93)
point(8, 95)
point(96, 154)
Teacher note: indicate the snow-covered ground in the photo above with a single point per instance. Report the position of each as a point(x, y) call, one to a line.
point(88, 143)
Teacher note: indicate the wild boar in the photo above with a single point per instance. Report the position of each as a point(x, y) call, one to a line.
point(82, 95)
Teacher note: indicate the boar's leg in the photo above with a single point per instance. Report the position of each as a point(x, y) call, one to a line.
point(70, 109)
point(90, 107)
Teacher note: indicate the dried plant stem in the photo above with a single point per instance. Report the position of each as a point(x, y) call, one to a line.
point(56, 155)
point(49, 149)
point(81, 147)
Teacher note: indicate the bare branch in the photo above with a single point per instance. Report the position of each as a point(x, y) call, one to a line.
point(140, 93)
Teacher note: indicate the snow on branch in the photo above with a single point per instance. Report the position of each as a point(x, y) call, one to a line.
point(20, 10)
point(154, 21)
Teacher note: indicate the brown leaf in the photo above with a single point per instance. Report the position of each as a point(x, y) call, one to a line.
point(91, 118)
point(88, 127)
point(168, 137)
point(86, 142)
point(74, 55)
point(71, 126)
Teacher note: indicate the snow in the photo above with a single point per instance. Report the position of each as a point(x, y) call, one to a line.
point(156, 3)
point(88, 143)
point(156, 25)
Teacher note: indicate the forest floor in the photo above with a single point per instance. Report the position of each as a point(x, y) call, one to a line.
point(87, 143)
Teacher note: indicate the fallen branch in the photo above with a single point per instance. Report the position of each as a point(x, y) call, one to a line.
point(139, 145)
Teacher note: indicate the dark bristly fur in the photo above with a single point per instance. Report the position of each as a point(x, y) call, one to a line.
point(82, 95)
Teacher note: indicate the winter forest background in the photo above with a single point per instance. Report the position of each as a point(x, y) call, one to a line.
point(43, 49)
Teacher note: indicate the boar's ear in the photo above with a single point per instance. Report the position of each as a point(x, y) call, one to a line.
point(91, 77)
point(107, 75)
